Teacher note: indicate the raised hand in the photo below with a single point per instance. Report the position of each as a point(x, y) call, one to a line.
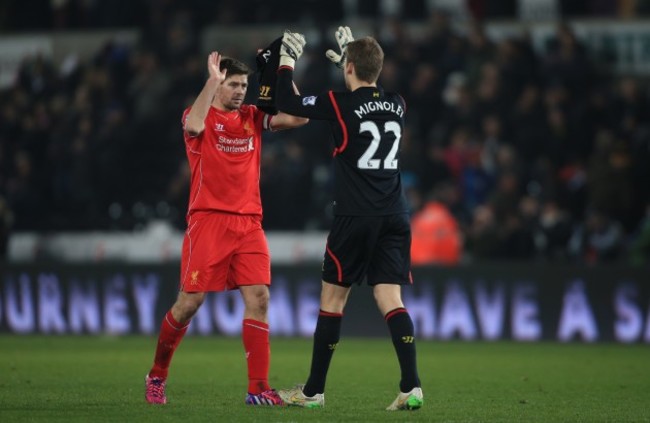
point(291, 49)
point(214, 61)
point(343, 36)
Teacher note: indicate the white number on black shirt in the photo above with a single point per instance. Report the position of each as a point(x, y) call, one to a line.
point(366, 161)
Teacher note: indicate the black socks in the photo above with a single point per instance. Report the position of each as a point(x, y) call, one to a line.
point(402, 332)
point(326, 338)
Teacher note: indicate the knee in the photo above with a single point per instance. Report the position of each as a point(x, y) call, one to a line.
point(261, 301)
point(388, 297)
point(257, 301)
point(333, 305)
point(185, 308)
point(333, 298)
point(380, 296)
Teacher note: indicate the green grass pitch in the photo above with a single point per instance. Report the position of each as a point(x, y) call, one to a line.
point(97, 379)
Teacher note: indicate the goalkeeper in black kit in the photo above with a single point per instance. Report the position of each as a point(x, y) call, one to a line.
point(370, 237)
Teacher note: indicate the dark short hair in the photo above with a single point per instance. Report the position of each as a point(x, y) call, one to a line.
point(234, 67)
point(368, 58)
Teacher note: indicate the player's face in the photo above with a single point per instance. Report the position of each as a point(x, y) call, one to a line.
point(232, 91)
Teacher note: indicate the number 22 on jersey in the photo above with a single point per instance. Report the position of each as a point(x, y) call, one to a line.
point(366, 161)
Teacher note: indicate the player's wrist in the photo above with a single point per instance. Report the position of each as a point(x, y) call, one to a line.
point(287, 62)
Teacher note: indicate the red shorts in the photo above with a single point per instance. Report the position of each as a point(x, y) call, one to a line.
point(224, 251)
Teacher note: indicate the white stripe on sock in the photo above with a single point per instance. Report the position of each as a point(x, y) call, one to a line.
point(257, 327)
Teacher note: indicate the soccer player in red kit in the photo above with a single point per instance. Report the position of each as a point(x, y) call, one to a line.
point(224, 246)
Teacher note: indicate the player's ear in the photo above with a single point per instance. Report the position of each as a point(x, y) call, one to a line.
point(349, 68)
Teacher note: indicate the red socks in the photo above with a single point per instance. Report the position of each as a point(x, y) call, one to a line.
point(171, 334)
point(255, 335)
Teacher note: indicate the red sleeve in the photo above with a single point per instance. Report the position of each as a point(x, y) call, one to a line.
point(262, 119)
point(186, 136)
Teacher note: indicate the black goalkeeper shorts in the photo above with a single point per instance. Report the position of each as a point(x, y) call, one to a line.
point(376, 249)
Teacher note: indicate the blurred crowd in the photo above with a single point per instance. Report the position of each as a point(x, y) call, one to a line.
point(509, 154)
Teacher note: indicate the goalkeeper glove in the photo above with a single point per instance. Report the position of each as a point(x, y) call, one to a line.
point(291, 48)
point(343, 37)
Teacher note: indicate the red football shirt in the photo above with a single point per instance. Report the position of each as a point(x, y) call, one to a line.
point(225, 161)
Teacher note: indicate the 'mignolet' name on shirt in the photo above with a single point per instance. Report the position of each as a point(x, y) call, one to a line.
point(374, 106)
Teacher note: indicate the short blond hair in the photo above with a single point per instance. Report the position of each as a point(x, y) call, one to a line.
point(368, 58)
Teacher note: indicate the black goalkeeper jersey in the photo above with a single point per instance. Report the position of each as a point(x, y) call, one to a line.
point(367, 126)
